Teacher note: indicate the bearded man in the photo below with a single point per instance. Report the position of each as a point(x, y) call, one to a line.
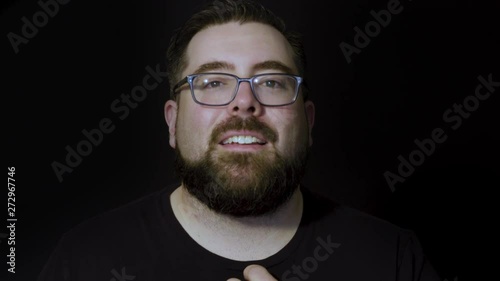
point(240, 121)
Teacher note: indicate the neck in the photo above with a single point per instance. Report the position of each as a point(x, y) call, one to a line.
point(238, 238)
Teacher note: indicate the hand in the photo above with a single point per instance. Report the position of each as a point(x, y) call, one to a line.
point(255, 273)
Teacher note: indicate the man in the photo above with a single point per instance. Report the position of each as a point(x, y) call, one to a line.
point(240, 122)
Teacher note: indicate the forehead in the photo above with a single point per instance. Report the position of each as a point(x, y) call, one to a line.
point(241, 46)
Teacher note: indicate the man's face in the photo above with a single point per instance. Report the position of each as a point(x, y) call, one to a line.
point(198, 132)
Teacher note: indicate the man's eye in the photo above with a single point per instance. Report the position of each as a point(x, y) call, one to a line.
point(213, 84)
point(272, 84)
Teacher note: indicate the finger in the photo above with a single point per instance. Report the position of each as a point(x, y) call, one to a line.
point(257, 273)
point(233, 279)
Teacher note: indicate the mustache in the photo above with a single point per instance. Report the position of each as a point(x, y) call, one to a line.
point(240, 124)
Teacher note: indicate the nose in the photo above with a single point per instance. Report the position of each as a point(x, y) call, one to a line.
point(245, 104)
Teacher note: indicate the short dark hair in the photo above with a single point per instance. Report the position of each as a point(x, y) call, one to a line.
point(220, 12)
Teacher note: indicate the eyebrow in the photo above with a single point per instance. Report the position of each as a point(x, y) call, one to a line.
point(272, 64)
point(222, 65)
point(214, 65)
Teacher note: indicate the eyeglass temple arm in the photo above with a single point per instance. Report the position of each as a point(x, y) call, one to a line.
point(180, 84)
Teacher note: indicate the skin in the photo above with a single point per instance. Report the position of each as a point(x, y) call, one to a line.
point(255, 273)
point(240, 47)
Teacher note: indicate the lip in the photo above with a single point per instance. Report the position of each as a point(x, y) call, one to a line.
point(254, 134)
point(243, 147)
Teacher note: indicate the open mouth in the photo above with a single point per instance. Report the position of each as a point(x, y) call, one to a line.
point(242, 139)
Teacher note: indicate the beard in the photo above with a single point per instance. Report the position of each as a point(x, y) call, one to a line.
point(242, 184)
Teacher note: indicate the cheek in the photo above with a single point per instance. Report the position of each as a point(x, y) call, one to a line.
point(193, 131)
point(293, 131)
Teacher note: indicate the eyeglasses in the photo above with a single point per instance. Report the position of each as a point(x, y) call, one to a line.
point(217, 89)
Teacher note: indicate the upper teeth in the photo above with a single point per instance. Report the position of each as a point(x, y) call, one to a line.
point(242, 140)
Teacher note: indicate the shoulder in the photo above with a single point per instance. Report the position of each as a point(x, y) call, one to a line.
point(346, 221)
point(125, 235)
point(121, 224)
point(379, 247)
point(369, 238)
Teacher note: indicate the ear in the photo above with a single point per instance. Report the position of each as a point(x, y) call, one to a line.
point(310, 112)
point(170, 112)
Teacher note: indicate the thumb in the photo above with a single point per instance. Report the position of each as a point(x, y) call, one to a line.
point(257, 273)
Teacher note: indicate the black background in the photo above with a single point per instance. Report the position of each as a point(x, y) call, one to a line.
point(368, 113)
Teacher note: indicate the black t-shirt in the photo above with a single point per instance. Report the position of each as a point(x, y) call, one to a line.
point(143, 241)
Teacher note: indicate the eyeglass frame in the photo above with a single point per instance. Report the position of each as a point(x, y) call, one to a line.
point(189, 80)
